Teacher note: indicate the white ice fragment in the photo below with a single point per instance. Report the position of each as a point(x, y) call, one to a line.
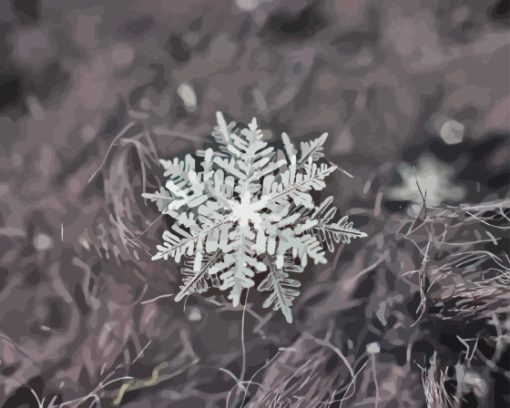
point(452, 132)
point(194, 314)
point(43, 242)
point(373, 348)
point(188, 96)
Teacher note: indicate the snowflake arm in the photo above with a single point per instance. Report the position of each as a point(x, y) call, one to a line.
point(197, 278)
point(240, 265)
point(179, 242)
point(283, 288)
point(313, 149)
point(296, 185)
point(333, 232)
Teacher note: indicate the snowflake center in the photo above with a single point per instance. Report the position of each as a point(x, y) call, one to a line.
point(246, 210)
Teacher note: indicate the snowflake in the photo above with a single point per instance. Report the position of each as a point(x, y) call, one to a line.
point(427, 183)
point(245, 208)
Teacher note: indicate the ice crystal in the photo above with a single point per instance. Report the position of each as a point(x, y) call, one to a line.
point(429, 182)
point(245, 208)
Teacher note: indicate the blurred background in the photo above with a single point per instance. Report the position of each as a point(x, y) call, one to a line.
point(92, 94)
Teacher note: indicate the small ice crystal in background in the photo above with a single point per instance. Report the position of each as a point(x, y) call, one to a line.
point(188, 96)
point(194, 314)
point(373, 348)
point(429, 182)
point(43, 242)
point(452, 132)
point(247, 5)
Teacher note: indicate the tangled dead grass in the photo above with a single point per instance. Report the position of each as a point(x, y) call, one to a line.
point(465, 271)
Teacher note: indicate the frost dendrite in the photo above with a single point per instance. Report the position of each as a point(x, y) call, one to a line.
point(245, 208)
